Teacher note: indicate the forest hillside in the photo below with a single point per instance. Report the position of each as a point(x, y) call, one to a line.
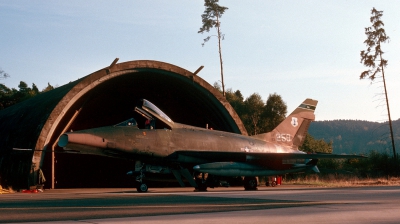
point(356, 136)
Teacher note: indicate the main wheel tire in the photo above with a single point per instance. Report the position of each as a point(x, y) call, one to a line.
point(142, 187)
point(202, 188)
point(273, 184)
point(250, 183)
point(201, 185)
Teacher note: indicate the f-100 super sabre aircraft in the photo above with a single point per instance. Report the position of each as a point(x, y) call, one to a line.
point(199, 155)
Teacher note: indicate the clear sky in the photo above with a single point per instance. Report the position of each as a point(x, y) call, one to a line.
point(297, 49)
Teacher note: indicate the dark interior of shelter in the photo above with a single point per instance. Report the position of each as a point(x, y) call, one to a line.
point(113, 102)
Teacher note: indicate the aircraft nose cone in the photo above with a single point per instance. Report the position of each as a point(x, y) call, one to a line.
point(196, 168)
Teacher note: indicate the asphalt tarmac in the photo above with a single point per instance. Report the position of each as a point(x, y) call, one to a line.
point(281, 204)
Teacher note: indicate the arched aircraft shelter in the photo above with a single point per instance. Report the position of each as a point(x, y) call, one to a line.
point(105, 97)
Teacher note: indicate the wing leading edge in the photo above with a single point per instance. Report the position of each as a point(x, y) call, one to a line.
point(243, 156)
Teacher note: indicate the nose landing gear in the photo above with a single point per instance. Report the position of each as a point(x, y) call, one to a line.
point(142, 186)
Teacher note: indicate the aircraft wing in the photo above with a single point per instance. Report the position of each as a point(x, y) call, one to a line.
point(188, 156)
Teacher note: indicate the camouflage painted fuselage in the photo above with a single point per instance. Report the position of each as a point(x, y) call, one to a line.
point(162, 144)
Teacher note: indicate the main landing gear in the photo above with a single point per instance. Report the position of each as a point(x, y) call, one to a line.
point(201, 181)
point(250, 183)
point(205, 180)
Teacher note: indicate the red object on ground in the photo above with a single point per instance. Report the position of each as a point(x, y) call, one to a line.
point(30, 191)
point(278, 180)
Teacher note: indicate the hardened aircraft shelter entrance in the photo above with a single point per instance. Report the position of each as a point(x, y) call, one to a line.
point(102, 98)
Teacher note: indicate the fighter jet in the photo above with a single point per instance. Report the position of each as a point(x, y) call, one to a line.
point(200, 155)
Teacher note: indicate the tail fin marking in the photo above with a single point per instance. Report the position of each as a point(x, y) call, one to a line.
point(293, 129)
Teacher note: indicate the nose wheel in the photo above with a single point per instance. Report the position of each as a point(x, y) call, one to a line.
point(142, 187)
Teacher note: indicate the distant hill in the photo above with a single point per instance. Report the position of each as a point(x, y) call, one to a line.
point(355, 136)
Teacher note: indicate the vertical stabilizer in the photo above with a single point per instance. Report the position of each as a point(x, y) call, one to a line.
point(292, 131)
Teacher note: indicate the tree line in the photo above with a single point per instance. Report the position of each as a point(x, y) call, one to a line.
point(356, 136)
point(377, 164)
point(11, 96)
point(258, 117)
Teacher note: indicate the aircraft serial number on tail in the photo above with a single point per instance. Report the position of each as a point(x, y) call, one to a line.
point(283, 138)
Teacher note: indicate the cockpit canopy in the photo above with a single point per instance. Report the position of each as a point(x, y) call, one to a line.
point(147, 105)
point(151, 112)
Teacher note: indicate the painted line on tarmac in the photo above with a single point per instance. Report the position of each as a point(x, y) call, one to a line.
point(184, 205)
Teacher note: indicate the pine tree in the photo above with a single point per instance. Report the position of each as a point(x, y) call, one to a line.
point(372, 58)
point(211, 18)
